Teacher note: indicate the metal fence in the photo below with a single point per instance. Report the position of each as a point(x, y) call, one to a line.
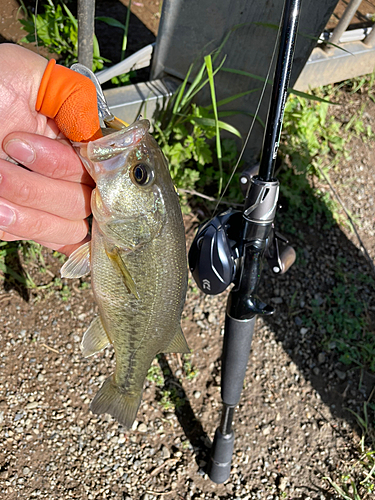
point(341, 53)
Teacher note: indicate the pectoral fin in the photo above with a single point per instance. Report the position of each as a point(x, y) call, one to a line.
point(119, 264)
point(95, 338)
point(78, 264)
point(178, 343)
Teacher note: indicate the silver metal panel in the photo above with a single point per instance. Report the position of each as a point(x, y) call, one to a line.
point(190, 29)
point(325, 67)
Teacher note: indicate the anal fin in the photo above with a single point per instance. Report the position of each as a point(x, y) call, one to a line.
point(178, 343)
point(95, 338)
point(78, 264)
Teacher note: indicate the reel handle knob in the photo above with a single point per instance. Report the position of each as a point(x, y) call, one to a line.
point(287, 258)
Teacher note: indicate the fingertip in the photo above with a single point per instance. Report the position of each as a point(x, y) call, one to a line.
point(19, 150)
point(47, 156)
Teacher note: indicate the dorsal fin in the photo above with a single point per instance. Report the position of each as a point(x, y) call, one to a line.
point(178, 343)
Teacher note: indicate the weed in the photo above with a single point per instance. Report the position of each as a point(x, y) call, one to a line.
point(155, 375)
point(62, 289)
point(192, 287)
point(190, 370)
point(310, 141)
point(358, 480)
point(11, 267)
point(189, 135)
point(123, 80)
point(362, 84)
point(185, 445)
point(65, 293)
point(342, 318)
point(171, 400)
point(60, 256)
point(84, 285)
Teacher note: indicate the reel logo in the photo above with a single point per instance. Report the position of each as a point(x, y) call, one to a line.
point(206, 284)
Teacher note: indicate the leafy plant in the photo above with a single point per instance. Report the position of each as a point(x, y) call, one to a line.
point(155, 375)
point(57, 29)
point(311, 142)
point(190, 370)
point(10, 267)
point(123, 80)
point(117, 24)
point(170, 399)
point(189, 134)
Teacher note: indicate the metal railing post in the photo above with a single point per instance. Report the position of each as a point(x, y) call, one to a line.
point(86, 14)
point(370, 38)
point(344, 21)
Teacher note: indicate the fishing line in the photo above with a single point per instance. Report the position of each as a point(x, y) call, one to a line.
point(253, 121)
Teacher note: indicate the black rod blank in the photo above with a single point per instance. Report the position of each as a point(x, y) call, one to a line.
point(239, 327)
point(280, 89)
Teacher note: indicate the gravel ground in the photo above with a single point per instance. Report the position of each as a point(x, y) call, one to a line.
point(292, 425)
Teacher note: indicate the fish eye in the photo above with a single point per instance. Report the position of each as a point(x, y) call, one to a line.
point(141, 174)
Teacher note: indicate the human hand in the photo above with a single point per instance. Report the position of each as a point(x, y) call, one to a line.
point(49, 202)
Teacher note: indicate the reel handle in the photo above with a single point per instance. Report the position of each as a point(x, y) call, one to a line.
point(287, 259)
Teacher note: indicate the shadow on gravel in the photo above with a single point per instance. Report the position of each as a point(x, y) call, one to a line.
point(325, 310)
point(189, 422)
point(14, 274)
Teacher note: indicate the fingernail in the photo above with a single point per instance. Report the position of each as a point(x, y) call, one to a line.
point(20, 151)
point(7, 216)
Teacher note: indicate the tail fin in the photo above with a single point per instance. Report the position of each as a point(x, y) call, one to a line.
point(122, 406)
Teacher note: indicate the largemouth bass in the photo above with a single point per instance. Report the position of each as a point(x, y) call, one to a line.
point(137, 258)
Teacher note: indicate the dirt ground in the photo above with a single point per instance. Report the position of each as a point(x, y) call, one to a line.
point(293, 425)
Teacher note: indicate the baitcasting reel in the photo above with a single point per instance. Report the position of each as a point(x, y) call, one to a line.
point(215, 252)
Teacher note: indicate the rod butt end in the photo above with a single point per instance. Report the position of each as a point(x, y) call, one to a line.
point(221, 457)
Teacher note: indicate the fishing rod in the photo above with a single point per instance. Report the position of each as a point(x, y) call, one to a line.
point(231, 247)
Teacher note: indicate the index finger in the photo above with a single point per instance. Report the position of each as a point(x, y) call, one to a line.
point(50, 157)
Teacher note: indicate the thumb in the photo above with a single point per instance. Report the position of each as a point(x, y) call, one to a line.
point(70, 99)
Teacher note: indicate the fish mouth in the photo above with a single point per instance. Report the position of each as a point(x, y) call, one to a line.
point(114, 143)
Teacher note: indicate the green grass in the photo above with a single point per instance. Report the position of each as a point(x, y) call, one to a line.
point(313, 143)
point(342, 317)
point(311, 140)
point(23, 267)
point(169, 393)
point(357, 478)
point(190, 135)
point(11, 267)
